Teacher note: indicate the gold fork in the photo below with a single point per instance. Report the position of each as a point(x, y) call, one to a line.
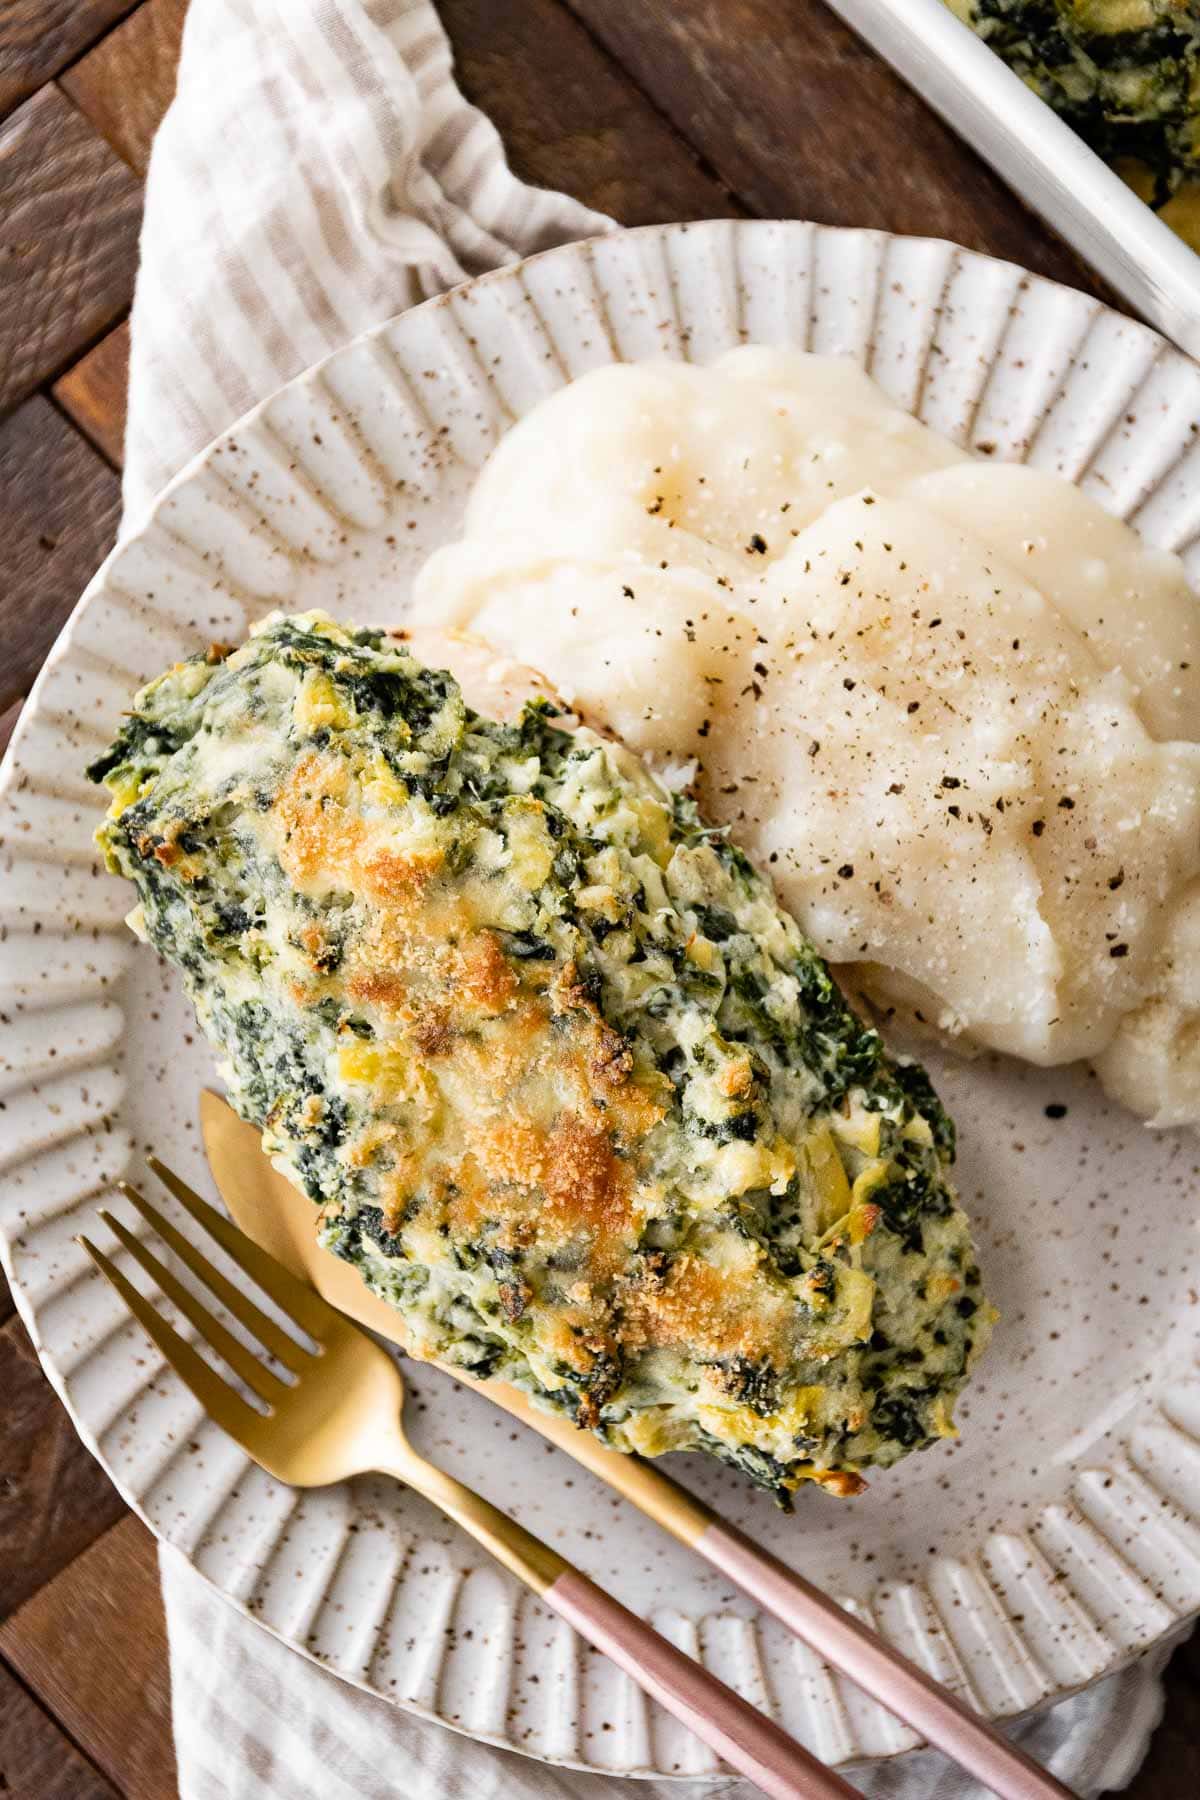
point(335, 1412)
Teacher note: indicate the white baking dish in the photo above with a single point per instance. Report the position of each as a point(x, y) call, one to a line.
point(1040, 156)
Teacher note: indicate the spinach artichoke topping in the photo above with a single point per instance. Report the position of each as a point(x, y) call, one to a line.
point(1124, 73)
point(568, 1086)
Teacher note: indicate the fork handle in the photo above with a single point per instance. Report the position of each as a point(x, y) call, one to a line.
point(888, 1676)
point(749, 1741)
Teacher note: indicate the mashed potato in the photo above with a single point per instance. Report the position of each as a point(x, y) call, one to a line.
point(953, 706)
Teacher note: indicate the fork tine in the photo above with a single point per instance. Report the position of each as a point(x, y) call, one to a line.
point(217, 1398)
point(273, 1337)
point(257, 1377)
point(301, 1302)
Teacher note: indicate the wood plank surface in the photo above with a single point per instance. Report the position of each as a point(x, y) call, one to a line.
point(569, 117)
point(93, 393)
point(8, 722)
point(59, 501)
point(802, 120)
point(68, 240)
point(116, 1707)
point(125, 84)
point(37, 1759)
point(37, 37)
point(663, 109)
point(55, 1499)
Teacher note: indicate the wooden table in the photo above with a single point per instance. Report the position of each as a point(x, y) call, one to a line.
point(646, 109)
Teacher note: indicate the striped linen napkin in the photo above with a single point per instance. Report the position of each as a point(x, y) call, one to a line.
point(317, 172)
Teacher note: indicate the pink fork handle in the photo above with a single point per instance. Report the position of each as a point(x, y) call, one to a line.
point(746, 1738)
point(881, 1671)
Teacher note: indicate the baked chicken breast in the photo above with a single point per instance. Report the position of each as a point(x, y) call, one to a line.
point(568, 1086)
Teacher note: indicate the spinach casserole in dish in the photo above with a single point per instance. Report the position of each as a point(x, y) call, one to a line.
point(570, 1089)
point(1125, 74)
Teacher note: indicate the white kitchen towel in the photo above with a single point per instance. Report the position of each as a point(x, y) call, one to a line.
point(317, 172)
point(256, 1721)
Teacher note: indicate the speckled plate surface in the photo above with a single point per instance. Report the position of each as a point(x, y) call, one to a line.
point(1062, 1533)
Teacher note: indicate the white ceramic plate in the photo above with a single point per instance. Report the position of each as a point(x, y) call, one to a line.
point(1062, 1534)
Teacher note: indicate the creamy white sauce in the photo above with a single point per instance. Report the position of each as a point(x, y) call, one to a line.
point(951, 705)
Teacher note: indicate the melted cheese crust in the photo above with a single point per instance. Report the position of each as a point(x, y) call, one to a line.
point(571, 1089)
